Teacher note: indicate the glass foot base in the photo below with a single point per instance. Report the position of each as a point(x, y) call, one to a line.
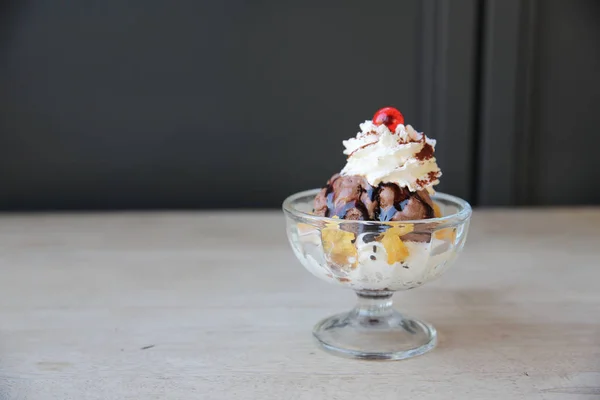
point(390, 336)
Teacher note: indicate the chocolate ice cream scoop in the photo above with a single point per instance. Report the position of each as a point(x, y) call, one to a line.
point(353, 198)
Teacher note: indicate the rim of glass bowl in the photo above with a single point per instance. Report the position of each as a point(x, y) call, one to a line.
point(452, 219)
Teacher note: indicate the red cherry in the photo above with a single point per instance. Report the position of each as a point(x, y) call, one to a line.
point(389, 117)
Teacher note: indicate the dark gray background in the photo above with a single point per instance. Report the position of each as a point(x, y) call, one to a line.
point(191, 104)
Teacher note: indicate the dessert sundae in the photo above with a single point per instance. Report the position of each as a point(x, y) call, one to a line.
point(377, 227)
point(388, 179)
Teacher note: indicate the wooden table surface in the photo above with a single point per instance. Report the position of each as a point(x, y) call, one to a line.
point(215, 306)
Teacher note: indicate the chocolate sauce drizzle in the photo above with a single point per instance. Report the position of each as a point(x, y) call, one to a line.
point(401, 198)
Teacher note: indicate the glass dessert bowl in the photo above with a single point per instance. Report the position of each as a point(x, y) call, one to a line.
point(376, 259)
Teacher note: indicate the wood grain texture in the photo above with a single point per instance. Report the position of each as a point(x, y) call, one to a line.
point(215, 306)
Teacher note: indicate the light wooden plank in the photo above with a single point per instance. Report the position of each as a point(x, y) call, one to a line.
point(215, 306)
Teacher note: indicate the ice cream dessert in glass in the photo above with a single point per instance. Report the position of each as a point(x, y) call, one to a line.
point(378, 227)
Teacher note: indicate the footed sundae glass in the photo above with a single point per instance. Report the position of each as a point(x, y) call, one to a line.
point(376, 259)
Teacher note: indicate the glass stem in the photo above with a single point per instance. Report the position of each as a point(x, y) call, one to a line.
point(374, 304)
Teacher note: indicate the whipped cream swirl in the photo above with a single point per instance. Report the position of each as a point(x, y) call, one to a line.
point(404, 157)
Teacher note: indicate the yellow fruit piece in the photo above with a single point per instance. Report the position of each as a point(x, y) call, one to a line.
point(437, 212)
point(395, 248)
point(339, 245)
point(448, 234)
point(304, 229)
